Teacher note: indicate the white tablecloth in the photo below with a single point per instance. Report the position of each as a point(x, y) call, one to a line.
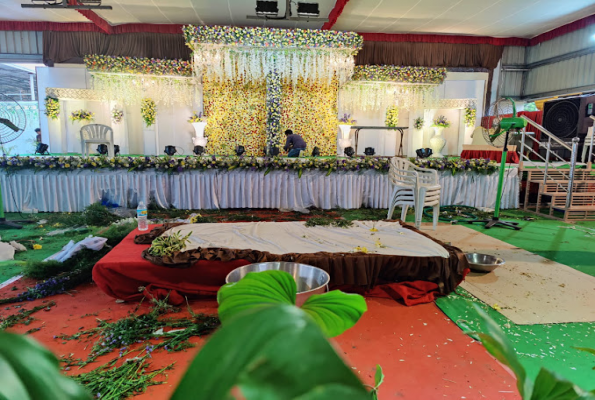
point(73, 191)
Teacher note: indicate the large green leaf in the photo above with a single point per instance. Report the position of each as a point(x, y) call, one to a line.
point(498, 345)
point(255, 290)
point(550, 386)
point(588, 350)
point(335, 311)
point(31, 372)
point(275, 352)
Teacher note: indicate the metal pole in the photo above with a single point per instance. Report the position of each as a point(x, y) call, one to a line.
point(522, 150)
point(572, 167)
point(547, 160)
point(32, 85)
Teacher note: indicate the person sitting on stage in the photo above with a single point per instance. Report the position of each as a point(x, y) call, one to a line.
point(294, 144)
point(38, 135)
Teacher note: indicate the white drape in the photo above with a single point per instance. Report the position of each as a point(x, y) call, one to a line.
point(73, 191)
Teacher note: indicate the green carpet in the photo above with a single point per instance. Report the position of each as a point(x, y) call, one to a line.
point(551, 345)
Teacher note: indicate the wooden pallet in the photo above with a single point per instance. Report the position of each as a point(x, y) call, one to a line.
point(552, 194)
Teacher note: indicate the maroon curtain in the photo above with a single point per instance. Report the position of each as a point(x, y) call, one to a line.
point(430, 54)
point(71, 47)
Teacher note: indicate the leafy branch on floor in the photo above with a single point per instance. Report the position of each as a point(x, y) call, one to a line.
point(128, 332)
point(113, 383)
point(23, 316)
point(167, 245)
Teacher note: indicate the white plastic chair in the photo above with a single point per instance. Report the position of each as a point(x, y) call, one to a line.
point(97, 134)
point(413, 186)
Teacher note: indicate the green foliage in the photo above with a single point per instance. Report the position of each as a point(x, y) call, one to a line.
point(334, 312)
point(547, 386)
point(378, 379)
point(23, 316)
point(31, 372)
point(167, 245)
point(97, 214)
point(272, 353)
point(323, 221)
point(114, 383)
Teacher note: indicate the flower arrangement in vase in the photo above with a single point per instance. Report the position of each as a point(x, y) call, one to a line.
point(52, 107)
point(392, 116)
point(82, 115)
point(117, 115)
point(197, 117)
point(418, 123)
point(347, 120)
point(437, 142)
point(148, 111)
point(441, 122)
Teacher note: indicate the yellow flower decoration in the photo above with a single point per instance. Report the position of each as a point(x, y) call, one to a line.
point(360, 249)
point(36, 247)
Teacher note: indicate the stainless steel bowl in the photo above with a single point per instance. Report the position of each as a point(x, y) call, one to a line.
point(310, 280)
point(483, 262)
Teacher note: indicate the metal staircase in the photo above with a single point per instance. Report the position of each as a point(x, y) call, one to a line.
point(566, 189)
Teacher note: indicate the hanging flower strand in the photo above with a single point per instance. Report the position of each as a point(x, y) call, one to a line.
point(148, 111)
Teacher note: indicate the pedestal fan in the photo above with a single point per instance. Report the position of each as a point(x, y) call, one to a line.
point(497, 129)
point(12, 124)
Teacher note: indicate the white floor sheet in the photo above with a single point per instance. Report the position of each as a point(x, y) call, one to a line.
point(294, 237)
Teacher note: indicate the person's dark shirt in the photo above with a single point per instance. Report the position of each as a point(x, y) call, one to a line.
point(296, 141)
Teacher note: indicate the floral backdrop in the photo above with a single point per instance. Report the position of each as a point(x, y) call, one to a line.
point(237, 116)
point(310, 110)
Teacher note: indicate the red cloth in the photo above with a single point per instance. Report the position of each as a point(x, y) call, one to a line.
point(511, 156)
point(456, 39)
point(124, 274)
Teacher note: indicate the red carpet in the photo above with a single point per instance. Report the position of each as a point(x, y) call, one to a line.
point(424, 355)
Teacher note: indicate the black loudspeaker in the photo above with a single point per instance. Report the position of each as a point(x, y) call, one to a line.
point(316, 152)
point(369, 151)
point(42, 149)
point(240, 150)
point(568, 117)
point(349, 151)
point(170, 150)
point(116, 149)
point(198, 150)
point(102, 149)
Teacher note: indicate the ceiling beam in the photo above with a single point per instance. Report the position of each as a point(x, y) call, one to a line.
point(92, 16)
point(334, 14)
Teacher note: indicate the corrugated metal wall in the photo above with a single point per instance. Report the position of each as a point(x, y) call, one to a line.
point(21, 42)
point(574, 41)
point(561, 76)
point(558, 75)
point(512, 81)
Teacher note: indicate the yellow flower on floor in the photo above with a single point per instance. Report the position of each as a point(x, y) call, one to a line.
point(496, 307)
point(36, 247)
point(379, 244)
point(359, 249)
point(373, 229)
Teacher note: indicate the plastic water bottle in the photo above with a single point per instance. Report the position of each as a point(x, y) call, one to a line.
point(141, 216)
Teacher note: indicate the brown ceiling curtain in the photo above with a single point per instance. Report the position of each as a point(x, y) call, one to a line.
point(449, 55)
point(71, 47)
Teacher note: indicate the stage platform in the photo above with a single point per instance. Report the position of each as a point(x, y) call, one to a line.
point(73, 190)
point(408, 265)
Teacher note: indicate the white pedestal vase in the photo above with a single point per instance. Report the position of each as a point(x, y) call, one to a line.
point(344, 140)
point(199, 139)
point(437, 142)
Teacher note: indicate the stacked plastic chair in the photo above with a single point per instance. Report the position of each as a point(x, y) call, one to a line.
point(413, 186)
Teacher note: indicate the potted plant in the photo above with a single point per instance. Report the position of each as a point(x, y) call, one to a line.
point(438, 142)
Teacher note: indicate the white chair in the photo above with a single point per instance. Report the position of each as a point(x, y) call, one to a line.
point(97, 134)
point(413, 186)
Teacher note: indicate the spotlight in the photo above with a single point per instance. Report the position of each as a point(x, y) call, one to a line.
point(42, 149)
point(198, 150)
point(116, 149)
point(240, 150)
point(308, 10)
point(369, 151)
point(102, 149)
point(316, 152)
point(170, 150)
point(349, 152)
point(267, 8)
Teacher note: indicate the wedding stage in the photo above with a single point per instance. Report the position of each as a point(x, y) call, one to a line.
point(397, 259)
point(72, 190)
